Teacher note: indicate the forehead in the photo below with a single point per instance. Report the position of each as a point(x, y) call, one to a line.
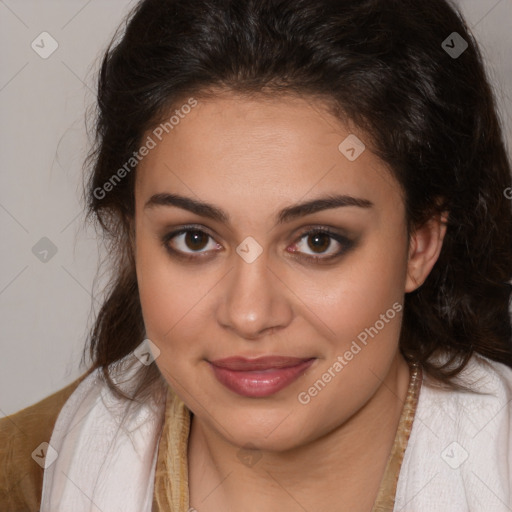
point(262, 151)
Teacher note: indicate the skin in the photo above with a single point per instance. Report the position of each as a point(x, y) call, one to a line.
point(252, 158)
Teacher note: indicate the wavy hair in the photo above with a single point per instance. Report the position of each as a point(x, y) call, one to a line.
point(382, 64)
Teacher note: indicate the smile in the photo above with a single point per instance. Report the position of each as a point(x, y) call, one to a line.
point(259, 377)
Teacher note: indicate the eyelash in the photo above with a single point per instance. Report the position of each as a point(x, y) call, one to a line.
point(342, 240)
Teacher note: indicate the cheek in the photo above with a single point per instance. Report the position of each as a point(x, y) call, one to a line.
point(167, 307)
point(157, 295)
point(368, 282)
point(163, 294)
point(172, 300)
point(362, 305)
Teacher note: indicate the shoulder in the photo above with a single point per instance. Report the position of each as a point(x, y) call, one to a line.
point(458, 451)
point(21, 436)
point(487, 376)
point(488, 392)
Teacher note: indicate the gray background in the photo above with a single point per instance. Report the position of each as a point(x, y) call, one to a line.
point(46, 306)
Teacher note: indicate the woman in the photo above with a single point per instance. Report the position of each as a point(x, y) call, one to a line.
point(311, 243)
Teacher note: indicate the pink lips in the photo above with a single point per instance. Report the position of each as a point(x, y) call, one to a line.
point(259, 377)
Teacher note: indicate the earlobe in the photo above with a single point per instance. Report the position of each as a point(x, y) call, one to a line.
point(424, 248)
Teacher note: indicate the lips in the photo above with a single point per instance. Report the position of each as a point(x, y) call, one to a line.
point(260, 363)
point(260, 377)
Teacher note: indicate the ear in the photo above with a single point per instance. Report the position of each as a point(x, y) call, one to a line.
point(424, 248)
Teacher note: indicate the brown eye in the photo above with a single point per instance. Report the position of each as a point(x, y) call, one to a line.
point(319, 242)
point(316, 245)
point(189, 243)
point(196, 240)
point(320, 245)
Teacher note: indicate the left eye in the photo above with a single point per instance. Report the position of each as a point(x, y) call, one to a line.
point(319, 242)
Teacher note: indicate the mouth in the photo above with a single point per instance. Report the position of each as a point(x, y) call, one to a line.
point(259, 377)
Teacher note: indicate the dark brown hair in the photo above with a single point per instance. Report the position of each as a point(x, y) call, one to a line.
point(381, 64)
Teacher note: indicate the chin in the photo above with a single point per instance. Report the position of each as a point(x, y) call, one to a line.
point(274, 432)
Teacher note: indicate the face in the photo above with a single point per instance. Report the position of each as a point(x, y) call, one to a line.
point(229, 264)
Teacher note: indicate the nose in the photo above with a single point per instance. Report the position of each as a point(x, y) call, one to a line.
point(255, 300)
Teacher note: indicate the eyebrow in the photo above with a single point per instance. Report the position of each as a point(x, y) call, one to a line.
point(285, 215)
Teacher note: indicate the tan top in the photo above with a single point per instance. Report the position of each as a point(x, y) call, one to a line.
point(21, 478)
point(171, 478)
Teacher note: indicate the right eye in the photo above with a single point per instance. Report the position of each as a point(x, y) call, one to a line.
point(188, 241)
